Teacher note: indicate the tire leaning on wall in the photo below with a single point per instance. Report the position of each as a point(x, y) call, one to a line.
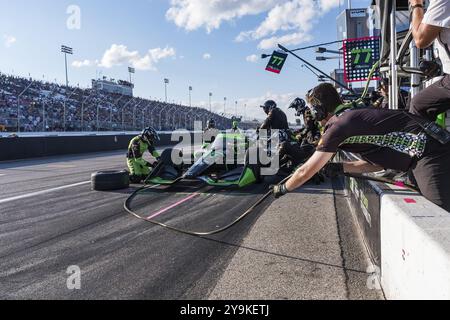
point(110, 180)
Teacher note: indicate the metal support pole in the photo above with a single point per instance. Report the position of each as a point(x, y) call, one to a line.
point(393, 83)
point(224, 107)
point(415, 78)
point(67, 74)
point(165, 88)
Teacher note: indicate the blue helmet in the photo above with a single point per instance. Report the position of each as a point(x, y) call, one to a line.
point(149, 135)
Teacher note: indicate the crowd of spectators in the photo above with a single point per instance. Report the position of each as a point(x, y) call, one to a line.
point(27, 105)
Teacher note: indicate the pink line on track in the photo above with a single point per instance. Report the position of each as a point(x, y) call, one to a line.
point(172, 206)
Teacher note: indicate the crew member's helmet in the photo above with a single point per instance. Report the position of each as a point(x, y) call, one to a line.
point(300, 106)
point(269, 106)
point(149, 135)
point(211, 124)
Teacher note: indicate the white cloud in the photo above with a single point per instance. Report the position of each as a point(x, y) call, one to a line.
point(287, 21)
point(287, 40)
point(329, 4)
point(207, 56)
point(119, 55)
point(9, 40)
point(195, 14)
point(253, 58)
point(84, 63)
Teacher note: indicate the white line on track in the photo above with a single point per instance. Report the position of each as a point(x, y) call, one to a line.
point(34, 194)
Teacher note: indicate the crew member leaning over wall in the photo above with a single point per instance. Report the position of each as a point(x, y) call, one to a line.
point(384, 139)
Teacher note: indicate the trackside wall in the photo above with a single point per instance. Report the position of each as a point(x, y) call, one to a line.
point(46, 146)
point(407, 237)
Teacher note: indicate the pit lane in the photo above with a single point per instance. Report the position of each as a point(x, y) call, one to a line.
point(50, 228)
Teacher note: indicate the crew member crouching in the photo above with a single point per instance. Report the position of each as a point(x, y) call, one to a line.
point(139, 168)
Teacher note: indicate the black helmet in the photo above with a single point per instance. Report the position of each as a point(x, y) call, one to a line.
point(269, 106)
point(149, 135)
point(211, 124)
point(299, 105)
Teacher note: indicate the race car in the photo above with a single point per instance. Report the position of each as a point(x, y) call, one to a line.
point(226, 162)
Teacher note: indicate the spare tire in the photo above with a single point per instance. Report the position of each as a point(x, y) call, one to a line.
point(110, 180)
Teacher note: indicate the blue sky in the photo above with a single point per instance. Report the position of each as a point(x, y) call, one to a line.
point(206, 44)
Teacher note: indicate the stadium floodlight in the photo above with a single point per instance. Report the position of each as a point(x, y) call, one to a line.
point(66, 50)
point(321, 58)
point(325, 50)
point(131, 71)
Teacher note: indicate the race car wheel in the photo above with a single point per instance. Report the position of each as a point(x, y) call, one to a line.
point(110, 180)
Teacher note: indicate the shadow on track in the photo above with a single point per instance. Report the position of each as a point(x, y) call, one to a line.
point(198, 209)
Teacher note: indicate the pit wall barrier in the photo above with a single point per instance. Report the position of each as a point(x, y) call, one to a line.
point(35, 146)
point(407, 237)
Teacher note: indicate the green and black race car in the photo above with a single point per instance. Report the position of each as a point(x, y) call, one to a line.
point(226, 162)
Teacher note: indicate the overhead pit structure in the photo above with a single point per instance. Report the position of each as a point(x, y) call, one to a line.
point(397, 46)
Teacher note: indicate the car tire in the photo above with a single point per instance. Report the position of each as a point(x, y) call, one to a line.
point(110, 180)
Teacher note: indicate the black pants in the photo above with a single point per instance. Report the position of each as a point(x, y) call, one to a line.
point(432, 101)
point(432, 174)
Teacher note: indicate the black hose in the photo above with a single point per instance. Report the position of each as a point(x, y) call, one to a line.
point(127, 207)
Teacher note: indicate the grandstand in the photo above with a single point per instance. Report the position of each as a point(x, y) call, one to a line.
point(27, 105)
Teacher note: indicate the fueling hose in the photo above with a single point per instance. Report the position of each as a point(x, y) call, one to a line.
point(127, 207)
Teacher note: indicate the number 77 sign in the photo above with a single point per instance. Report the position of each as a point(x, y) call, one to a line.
point(360, 55)
point(276, 62)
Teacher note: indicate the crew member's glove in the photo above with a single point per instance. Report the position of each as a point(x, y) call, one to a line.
point(279, 191)
point(332, 170)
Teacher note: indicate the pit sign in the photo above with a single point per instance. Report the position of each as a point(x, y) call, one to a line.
point(277, 61)
point(360, 55)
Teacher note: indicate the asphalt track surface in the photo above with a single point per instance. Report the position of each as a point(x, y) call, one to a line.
point(50, 219)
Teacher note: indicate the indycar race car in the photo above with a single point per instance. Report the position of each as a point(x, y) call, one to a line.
point(226, 162)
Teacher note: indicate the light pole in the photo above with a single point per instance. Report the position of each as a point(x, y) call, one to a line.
point(190, 96)
point(166, 82)
point(225, 106)
point(236, 109)
point(210, 103)
point(66, 50)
